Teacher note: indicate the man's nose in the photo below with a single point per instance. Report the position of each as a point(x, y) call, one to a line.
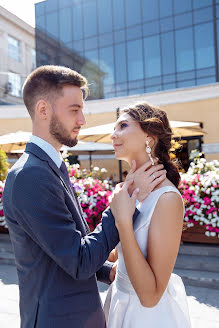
point(81, 119)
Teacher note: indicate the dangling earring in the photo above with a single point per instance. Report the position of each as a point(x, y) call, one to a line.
point(148, 151)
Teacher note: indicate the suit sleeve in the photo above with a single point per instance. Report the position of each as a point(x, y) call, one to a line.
point(39, 205)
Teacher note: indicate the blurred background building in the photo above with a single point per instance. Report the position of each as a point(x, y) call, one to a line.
point(17, 56)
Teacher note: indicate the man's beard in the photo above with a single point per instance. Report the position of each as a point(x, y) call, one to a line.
point(57, 129)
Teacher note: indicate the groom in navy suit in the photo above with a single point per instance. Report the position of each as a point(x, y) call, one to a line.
point(57, 258)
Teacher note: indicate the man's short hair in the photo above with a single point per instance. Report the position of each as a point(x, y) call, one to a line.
point(46, 82)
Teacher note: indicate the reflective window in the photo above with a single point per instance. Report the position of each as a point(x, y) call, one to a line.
point(204, 45)
point(189, 75)
point(206, 80)
point(151, 28)
point(203, 15)
point(150, 10)
point(14, 84)
point(65, 3)
point(183, 20)
point(52, 28)
point(118, 19)
point(92, 56)
point(205, 72)
point(136, 84)
point(133, 14)
point(41, 22)
point(120, 62)
point(168, 86)
point(107, 64)
point(77, 22)
point(105, 39)
point(166, 24)
point(154, 88)
point(133, 32)
point(90, 18)
point(184, 50)
point(138, 91)
point(200, 4)
point(168, 55)
point(152, 58)
point(65, 25)
point(166, 8)
point(33, 52)
point(51, 5)
point(14, 50)
point(182, 6)
point(104, 16)
point(135, 60)
point(78, 46)
point(119, 36)
point(169, 78)
point(217, 11)
point(90, 43)
point(184, 84)
point(39, 8)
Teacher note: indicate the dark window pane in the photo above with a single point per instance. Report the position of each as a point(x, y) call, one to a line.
point(51, 5)
point(120, 62)
point(205, 72)
point(65, 3)
point(186, 75)
point(90, 18)
point(135, 60)
point(203, 15)
point(41, 22)
point(150, 10)
point(166, 8)
point(138, 91)
point(133, 32)
point(107, 64)
point(169, 86)
point(166, 24)
point(77, 22)
point(104, 16)
point(183, 20)
point(65, 25)
point(152, 56)
point(52, 28)
point(118, 19)
point(206, 80)
point(184, 50)
point(119, 36)
point(90, 43)
point(39, 8)
point(200, 4)
point(184, 84)
point(168, 55)
point(105, 39)
point(78, 46)
point(204, 45)
point(182, 6)
point(133, 14)
point(169, 78)
point(151, 28)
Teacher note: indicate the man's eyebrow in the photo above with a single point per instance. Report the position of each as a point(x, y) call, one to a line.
point(122, 121)
point(75, 105)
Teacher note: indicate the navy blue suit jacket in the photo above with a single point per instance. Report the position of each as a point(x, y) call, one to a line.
point(57, 261)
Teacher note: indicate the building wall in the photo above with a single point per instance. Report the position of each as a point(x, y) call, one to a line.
point(11, 25)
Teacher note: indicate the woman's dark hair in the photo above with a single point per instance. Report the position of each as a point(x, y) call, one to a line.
point(155, 123)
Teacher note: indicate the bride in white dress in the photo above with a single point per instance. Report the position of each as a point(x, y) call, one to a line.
point(145, 292)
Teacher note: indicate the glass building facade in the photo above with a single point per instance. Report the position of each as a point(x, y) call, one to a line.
point(129, 47)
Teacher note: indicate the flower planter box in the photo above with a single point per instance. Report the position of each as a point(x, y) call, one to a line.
point(196, 234)
point(3, 229)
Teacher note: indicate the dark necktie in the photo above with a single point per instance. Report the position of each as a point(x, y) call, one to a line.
point(64, 170)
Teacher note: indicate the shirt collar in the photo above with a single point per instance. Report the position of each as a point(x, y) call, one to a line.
point(48, 148)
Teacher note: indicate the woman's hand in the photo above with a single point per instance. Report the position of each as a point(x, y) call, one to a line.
point(122, 204)
point(146, 178)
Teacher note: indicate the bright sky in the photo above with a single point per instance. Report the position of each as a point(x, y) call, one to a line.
point(24, 9)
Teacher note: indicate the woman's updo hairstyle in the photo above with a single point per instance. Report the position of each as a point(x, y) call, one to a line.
point(155, 123)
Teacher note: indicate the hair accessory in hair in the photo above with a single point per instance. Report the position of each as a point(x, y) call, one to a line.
point(148, 151)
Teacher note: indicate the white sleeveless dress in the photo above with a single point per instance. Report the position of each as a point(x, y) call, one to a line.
point(122, 306)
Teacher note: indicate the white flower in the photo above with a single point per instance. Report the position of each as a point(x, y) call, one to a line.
point(103, 170)
point(96, 168)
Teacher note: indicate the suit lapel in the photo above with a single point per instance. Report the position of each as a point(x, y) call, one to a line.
point(37, 151)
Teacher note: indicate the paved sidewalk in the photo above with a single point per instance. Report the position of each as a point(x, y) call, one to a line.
point(203, 302)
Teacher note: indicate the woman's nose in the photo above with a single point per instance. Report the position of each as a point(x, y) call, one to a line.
point(113, 135)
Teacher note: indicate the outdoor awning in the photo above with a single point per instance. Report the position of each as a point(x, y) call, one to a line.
point(101, 133)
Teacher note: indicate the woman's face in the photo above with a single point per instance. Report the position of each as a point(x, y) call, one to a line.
point(128, 139)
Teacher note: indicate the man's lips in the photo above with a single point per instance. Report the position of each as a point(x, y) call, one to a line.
point(116, 145)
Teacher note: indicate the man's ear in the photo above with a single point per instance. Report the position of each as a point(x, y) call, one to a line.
point(42, 109)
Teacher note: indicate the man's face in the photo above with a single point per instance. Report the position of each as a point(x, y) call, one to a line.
point(67, 116)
